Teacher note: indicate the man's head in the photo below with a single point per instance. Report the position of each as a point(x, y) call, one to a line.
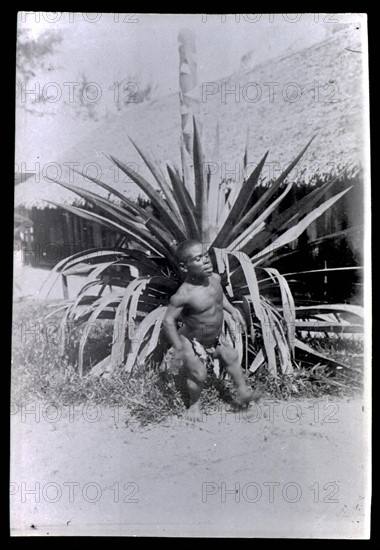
point(193, 259)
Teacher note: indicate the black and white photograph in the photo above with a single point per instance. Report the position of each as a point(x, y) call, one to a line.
point(191, 324)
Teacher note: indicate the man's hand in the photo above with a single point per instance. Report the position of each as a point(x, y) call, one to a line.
point(181, 348)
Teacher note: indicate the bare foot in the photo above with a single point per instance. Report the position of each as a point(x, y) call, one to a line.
point(245, 395)
point(194, 413)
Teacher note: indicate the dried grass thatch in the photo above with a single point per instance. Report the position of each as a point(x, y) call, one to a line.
point(335, 66)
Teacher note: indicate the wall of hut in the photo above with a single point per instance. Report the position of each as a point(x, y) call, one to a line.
point(312, 252)
point(56, 234)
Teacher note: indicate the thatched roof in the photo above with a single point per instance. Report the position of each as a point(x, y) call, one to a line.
point(329, 75)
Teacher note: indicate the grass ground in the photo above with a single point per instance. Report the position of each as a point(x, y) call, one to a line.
point(151, 395)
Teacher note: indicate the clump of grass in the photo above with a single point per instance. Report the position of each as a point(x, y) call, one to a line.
point(305, 383)
point(315, 380)
point(346, 350)
point(153, 394)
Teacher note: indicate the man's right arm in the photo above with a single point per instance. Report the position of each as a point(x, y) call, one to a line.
point(176, 305)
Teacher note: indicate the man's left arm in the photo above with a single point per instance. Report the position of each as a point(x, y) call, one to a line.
point(227, 306)
point(233, 311)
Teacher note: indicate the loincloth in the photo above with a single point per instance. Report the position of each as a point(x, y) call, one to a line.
point(205, 354)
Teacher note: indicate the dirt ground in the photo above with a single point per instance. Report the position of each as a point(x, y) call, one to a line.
point(286, 469)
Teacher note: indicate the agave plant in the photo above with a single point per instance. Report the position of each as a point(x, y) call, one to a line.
point(135, 280)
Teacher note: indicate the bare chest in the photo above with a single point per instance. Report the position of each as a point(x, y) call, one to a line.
point(204, 299)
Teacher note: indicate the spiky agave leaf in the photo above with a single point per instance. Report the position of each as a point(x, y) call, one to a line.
point(185, 204)
point(201, 194)
point(187, 176)
point(80, 310)
point(130, 229)
point(151, 221)
point(57, 310)
point(249, 313)
point(125, 319)
point(121, 327)
point(70, 261)
point(314, 242)
point(165, 212)
point(99, 306)
point(214, 187)
point(325, 326)
point(330, 318)
point(304, 348)
point(288, 306)
point(122, 215)
point(75, 314)
point(282, 347)
point(330, 308)
point(259, 223)
point(179, 219)
point(261, 314)
point(285, 238)
point(227, 231)
point(290, 217)
point(155, 316)
point(257, 362)
point(159, 176)
point(264, 200)
point(294, 232)
point(303, 206)
point(153, 340)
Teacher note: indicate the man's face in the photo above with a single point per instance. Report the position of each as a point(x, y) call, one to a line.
point(197, 261)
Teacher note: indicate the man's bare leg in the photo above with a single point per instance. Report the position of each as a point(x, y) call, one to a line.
point(194, 411)
point(196, 374)
point(229, 359)
point(245, 394)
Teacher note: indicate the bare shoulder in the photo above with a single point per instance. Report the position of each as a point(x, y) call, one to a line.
point(181, 297)
point(216, 277)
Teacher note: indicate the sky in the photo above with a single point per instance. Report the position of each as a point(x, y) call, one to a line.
point(108, 47)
